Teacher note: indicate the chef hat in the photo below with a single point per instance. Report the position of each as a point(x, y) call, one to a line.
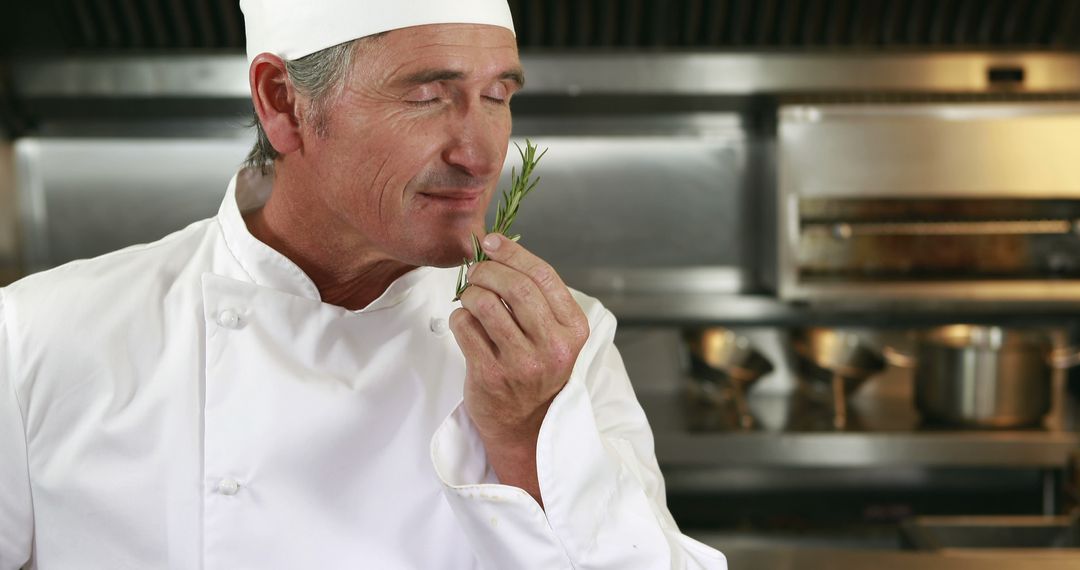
point(295, 28)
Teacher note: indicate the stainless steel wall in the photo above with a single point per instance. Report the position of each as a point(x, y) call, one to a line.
point(610, 211)
point(84, 197)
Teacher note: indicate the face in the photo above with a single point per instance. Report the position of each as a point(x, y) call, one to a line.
point(413, 146)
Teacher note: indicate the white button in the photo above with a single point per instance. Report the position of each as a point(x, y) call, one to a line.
point(228, 487)
point(440, 326)
point(228, 319)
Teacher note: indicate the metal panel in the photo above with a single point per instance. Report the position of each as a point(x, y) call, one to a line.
point(931, 150)
point(621, 213)
point(82, 198)
point(225, 76)
point(896, 446)
point(609, 207)
point(742, 74)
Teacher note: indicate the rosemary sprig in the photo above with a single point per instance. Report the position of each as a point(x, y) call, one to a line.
point(520, 186)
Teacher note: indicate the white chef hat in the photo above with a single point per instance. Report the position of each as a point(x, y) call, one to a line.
point(295, 28)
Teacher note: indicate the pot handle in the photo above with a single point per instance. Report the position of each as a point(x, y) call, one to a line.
point(902, 360)
point(1062, 358)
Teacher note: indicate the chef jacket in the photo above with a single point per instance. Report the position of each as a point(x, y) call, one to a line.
point(191, 403)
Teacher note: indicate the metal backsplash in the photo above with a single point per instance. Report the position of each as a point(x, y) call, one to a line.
point(614, 213)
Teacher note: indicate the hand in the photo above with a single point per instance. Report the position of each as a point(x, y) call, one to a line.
point(521, 332)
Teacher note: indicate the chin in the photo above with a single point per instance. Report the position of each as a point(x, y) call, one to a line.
point(443, 253)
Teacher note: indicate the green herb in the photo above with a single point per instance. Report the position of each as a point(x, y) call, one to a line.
point(520, 186)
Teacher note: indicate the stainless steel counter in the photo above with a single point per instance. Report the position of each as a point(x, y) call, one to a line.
point(678, 306)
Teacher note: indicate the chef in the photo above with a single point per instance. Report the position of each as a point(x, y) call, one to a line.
point(290, 385)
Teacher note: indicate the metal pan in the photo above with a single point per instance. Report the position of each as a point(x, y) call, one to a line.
point(844, 360)
point(722, 357)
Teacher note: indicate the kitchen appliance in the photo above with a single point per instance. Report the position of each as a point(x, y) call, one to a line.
point(981, 376)
point(720, 358)
point(928, 201)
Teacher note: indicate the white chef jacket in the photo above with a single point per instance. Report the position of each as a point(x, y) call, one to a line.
point(191, 403)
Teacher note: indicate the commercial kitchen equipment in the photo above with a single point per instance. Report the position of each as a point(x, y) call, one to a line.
point(973, 200)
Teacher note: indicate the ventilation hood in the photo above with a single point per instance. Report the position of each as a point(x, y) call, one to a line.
point(110, 59)
point(199, 25)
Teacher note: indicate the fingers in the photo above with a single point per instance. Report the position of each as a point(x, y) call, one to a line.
point(562, 304)
point(528, 305)
point(470, 335)
point(495, 320)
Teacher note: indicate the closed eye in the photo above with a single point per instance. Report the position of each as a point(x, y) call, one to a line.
point(497, 93)
point(424, 102)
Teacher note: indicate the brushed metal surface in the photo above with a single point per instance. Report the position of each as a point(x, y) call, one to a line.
point(609, 207)
point(225, 75)
point(887, 305)
point(984, 376)
point(930, 150)
point(82, 197)
point(1008, 387)
point(900, 444)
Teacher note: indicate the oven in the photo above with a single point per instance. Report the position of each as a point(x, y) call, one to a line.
point(934, 201)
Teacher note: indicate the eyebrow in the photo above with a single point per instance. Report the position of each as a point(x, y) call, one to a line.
point(517, 75)
point(432, 75)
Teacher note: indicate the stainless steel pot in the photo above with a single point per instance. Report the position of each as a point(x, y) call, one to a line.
point(984, 376)
point(719, 356)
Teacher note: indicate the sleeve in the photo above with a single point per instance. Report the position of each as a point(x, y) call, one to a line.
point(16, 512)
point(601, 485)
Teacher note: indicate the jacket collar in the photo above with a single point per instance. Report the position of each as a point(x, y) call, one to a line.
point(265, 266)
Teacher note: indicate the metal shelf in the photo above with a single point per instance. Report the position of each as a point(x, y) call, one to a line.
point(687, 308)
point(896, 442)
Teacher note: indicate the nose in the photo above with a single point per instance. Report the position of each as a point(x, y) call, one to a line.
point(477, 144)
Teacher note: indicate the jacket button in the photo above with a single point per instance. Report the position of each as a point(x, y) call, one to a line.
point(229, 319)
point(440, 326)
point(228, 487)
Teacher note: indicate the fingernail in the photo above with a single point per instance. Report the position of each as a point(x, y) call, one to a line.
point(491, 242)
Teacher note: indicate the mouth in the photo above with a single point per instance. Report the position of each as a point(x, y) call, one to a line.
point(457, 199)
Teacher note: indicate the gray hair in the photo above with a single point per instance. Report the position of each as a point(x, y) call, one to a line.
point(319, 77)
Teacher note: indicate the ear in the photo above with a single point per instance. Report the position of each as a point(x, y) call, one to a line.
point(275, 102)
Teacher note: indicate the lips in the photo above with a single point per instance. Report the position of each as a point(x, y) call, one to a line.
point(463, 196)
point(457, 200)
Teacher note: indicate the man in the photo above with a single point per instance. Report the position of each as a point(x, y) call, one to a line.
point(278, 387)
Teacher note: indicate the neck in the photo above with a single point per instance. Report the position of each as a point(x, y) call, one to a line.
point(347, 272)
